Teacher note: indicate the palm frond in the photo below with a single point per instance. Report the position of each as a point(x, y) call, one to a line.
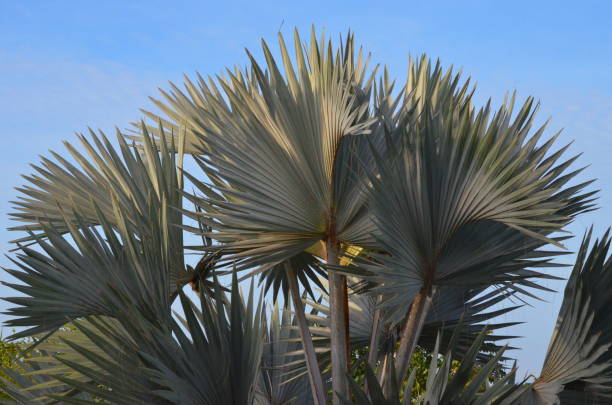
point(26, 385)
point(274, 386)
point(104, 272)
point(466, 197)
point(127, 186)
point(307, 268)
point(214, 359)
point(279, 151)
point(98, 360)
point(578, 363)
point(217, 360)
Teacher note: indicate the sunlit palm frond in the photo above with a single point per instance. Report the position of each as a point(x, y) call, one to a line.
point(281, 148)
point(130, 175)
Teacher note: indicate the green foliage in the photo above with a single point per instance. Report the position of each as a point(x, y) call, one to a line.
point(8, 352)
point(439, 383)
point(419, 370)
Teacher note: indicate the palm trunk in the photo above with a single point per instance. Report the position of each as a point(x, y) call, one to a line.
point(338, 300)
point(374, 339)
point(412, 330)
point(314, 372)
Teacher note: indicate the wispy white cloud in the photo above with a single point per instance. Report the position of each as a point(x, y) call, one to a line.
point(38, 94)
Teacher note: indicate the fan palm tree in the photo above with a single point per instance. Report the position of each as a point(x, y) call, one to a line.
point(306, 177)
point(282, 153)
point(463, 199)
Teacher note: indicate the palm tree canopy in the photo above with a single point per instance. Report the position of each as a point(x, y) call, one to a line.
point(310, 167)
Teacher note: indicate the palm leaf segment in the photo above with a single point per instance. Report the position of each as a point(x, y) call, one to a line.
point(465, 197)
point(578, 364)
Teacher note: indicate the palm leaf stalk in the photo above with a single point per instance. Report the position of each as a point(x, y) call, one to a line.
point(314, 375)
point(468, 310)
point(457, 176)
point(286, 276)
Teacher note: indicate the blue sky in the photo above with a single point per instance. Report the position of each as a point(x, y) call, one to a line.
point(68, 65)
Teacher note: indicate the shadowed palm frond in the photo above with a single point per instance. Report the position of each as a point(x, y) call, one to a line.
point(97, 359)
point(466, 197)
point(578, 364)
point(217, 359)
point(27, 386)
point(214, 359)
point(307, 268)
point(94, 272)
point(274, 387)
